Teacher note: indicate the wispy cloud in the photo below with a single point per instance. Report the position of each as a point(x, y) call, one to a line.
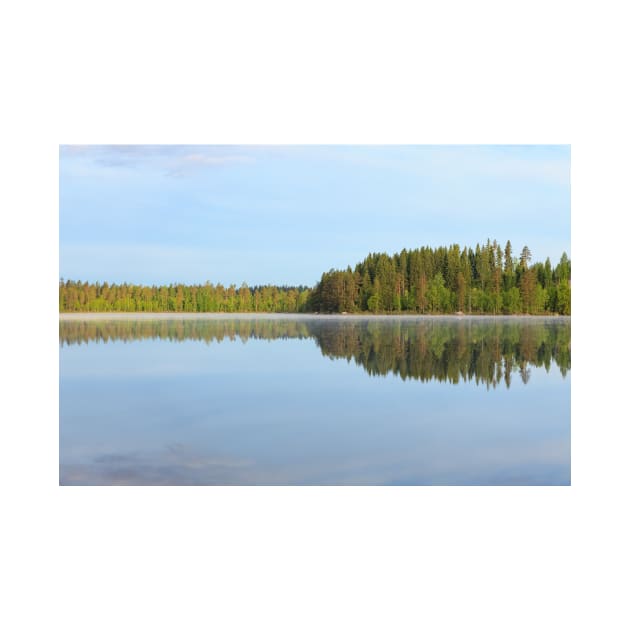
point(172, 160)
point(151, 213)
point(198, 158)
point(536, 163)
point(194, 161)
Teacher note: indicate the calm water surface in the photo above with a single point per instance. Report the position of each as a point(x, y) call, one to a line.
point(314, 400)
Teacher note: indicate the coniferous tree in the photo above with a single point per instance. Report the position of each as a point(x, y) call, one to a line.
point(526, 256)
point(486, 279)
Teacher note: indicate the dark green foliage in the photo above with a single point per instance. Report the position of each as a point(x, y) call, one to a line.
point(483, 280)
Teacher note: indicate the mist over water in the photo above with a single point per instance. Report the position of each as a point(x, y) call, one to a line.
point(314, 400)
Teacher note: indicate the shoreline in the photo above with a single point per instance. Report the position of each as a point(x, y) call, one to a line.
point(94, 316)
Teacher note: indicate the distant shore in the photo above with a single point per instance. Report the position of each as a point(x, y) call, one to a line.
point(94, 316)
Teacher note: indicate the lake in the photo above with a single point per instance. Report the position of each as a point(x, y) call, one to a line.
point(314, 400)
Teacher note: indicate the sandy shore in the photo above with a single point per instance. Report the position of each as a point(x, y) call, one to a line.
point(220, 316)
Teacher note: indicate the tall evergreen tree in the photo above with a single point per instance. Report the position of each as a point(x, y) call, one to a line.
point(440, 280)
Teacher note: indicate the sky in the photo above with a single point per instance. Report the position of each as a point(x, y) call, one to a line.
point(160, 214)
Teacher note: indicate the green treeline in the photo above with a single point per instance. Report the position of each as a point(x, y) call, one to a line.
point(77, 297)
point(488, 279)
point(484, 280)
point(480, 350)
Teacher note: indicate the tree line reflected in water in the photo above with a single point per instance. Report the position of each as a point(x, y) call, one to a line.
point(487, 351)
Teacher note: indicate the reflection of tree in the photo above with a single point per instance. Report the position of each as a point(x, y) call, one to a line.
point(484, 350)
point(525, 373)
point(83, 331)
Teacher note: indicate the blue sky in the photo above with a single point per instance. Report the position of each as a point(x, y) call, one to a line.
point(284, 214)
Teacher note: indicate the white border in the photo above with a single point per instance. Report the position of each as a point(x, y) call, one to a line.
point(278, 72)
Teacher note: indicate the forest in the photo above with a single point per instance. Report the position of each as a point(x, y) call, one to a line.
point(486, 279)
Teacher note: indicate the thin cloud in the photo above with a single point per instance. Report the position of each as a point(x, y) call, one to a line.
point(538, 163)
point(198, 158)
point(174, 160)
point(195, 161)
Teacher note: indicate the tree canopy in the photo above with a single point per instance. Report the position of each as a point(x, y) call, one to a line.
point(486, 279)
point(483, 280)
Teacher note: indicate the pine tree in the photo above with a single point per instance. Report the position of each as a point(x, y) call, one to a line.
point(483, 280)
point(526, 256)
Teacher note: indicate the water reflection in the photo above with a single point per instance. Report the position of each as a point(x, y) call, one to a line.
point(483, 350)
point(173, 465)
point(222, 400)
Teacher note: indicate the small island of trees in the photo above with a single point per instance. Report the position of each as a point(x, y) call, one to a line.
point(487, 279)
